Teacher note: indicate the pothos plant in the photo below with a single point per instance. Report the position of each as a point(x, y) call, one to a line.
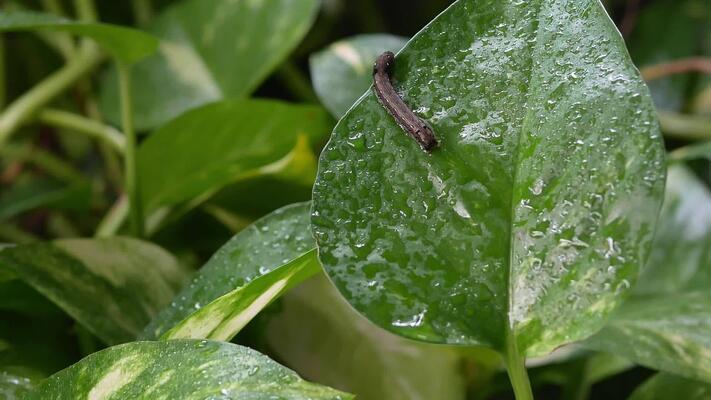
point(521, 234)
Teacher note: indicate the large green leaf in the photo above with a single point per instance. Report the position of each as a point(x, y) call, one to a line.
point(225, 316)
point(112, 286)
point(681, 254)
point(344, 71)
point(125, 44)
point(205, 149)
point(210, 49)
point(180, 369)
point(538, 206)
point(668, 333)
point(271, 242)
point(318, 334)
point(667, 386)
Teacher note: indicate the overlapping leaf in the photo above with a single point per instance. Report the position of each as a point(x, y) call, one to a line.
point(205, 149)
point(539, 205)
point(125, 44)
point(277, 239)
point(225, 316)
point(348, 66)
point(667, 386)
point(665, 325)
point(112, 286)
point(180, 369)
point(318, 334)
point(210, 49)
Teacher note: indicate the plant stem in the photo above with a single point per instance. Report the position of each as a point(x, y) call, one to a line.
point(516, 367)
point(130, 173)
point(47, 161)
point(142, 11)
point(296, 82)
point(113, 220)
point(86, 10)
point(3, 87)
point(62, 42)
point(81, 124)
point(684, 126)
point(26, 105)
point(685, 65)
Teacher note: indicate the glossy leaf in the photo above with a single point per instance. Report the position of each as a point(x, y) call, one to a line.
point(13, 386)
point(318, 334)
point(681, 254)
point(225, 316)
point(112, 286)
point(668, 333)
point(207, 148)
point(275, 240)
point(344, 71)
point(125, 44)
point(210, 50)
point(538, 206)
point(180, 369)
point(667, 386)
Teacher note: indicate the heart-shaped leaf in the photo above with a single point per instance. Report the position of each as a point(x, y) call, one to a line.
point(530, 220)
point(225, 316)
point(348, 66)
point(205, 149)
point(271, 242)
point(667, 386)
point(125, 44)
point(180, 369)
point(111, 286)
point(210, 49)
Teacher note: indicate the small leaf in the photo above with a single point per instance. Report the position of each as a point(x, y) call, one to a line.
point(667, 333)
point(125, 44)
point(112, 286)
point(180, 369)
point(344, 71)
point(531, 218)
point(224, 317)
point(667, 386)
point(210, 50)
point(318, 334)
point(207, 148)
point(275, 240)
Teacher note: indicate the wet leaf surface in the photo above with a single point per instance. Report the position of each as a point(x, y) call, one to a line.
point(269, 243)
point(180, 369)
point(538, 207)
